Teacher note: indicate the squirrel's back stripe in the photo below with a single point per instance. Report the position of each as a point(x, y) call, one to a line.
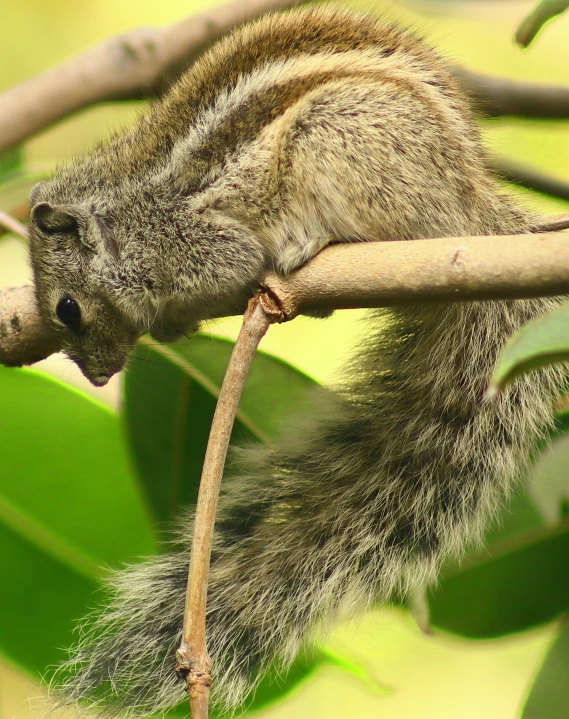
point(266, 43)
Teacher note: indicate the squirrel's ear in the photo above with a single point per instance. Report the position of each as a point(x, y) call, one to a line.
point(51, 220)
point(34, 192)
point(65, 220)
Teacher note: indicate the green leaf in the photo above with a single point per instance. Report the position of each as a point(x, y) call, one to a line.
point(510, 586)
point(520, 515)
point(515, 580)
point(64, 465)
point(277, 685)
point(10, 161)
point(65, 480)
point(274, 390)
point(169, 400)
point(549, 694)
point(541, 342)
point(42, 599)
point(549, 481)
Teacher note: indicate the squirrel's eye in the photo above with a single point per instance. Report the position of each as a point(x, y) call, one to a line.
point(69, 313)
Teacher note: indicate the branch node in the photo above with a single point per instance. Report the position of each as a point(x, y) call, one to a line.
point(276, 299)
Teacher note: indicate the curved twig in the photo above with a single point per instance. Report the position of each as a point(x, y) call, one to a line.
point(192, 658)
point(542, 13)
point(11, 224)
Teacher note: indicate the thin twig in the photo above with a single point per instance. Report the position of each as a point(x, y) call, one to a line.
point(12, 225)
point(530, 178)
point(192, 658)
point(542, 13)
point(21, 214)
point(555, 224)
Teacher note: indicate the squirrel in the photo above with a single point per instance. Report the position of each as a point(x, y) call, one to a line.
point(298, 130)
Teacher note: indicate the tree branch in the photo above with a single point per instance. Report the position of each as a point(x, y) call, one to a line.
point(385, 274)
point(143, 61)
point(370, 274)
point(530, 178)
point(124, 67)
point(23, 337)
point(499, 96)
point(542, 13)
point(192, 658)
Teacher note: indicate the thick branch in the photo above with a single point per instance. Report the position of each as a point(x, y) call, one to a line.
point(23, 337)
point(530, 178)
point(499, 96)
point(415, 272)
point(375, 274)
point(141, 62)
point(123, 67)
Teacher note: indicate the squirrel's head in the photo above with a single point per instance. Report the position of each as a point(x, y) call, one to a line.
point(68, 246)
point(140, 260)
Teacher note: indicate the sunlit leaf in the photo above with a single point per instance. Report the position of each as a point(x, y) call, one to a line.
point(69, 508)
point(549, 694)
point(541, 342)
point(169, 400)
point(507, 587)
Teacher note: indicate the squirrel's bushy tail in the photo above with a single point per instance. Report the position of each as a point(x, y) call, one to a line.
point(363, 500)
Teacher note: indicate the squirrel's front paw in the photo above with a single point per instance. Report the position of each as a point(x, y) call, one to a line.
point(166, 333)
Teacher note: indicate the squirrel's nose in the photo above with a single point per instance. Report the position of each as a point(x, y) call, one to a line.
point(100, 380)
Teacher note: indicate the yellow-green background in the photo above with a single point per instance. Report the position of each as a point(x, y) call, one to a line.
point(422, 678)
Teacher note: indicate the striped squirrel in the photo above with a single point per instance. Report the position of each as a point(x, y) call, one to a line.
point(301, 129)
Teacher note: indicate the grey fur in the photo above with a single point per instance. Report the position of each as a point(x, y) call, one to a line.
point(298, 130)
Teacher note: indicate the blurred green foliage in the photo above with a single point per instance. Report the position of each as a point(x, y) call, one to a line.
point(84, 488)
point(542, 342)
point(61, 491)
